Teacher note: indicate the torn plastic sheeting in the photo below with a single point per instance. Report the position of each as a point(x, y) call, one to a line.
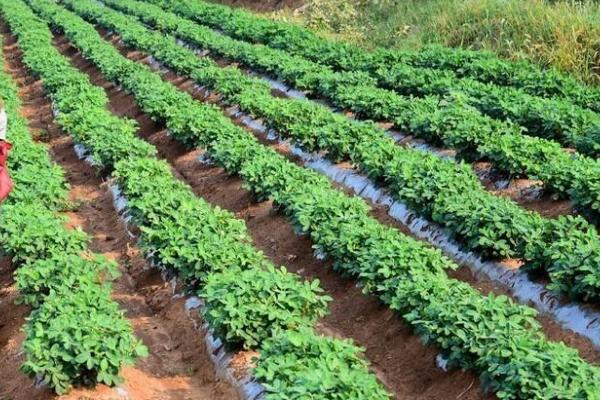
point(442, 362)
point(424, 147)
point(397, 136)
point(532, 193)
point(83, 154)
point(319, 255)
point(205, 159)
point(120, 204)
point(282, 87)
point(247, 387)
point(484, 175)
point(119, 201)
point(55, 112)
point(272, 135)
point(253, 124)
point(198, 51)
point(155, 65)
point(275, 84)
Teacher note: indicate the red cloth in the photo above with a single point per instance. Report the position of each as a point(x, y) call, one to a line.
point(6, 184)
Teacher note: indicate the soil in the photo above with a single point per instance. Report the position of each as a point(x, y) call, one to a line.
point(12, 318)
point(401, 361)
point(178, 366)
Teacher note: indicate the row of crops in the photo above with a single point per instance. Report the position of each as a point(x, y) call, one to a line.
point(211, 250)
point(567, 248)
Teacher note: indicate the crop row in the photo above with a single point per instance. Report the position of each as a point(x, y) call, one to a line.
point(248, 302)
point(450, 122)
point(57, 275)
point(491, 335)
point(437, 188)
point(477, 65)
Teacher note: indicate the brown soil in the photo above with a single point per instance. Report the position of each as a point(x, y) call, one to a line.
point(12, 318)
point(403, 363)
point(178, 366)
point(552, 329)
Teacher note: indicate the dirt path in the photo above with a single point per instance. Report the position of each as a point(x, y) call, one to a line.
point(406, 366)
point(178, 366)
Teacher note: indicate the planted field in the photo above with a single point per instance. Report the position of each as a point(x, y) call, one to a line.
point(232, 207)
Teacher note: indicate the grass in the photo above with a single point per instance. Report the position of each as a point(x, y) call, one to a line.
point(564, 34)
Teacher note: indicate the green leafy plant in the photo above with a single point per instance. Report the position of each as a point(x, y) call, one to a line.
point(35, 280)
point(468, 329)
point(247, 307)
point(56, 273)
point(178, 229)
point(65, 349)
point(30, 232)
point(301, 364)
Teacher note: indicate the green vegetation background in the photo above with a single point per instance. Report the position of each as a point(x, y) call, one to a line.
point(560, 33)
